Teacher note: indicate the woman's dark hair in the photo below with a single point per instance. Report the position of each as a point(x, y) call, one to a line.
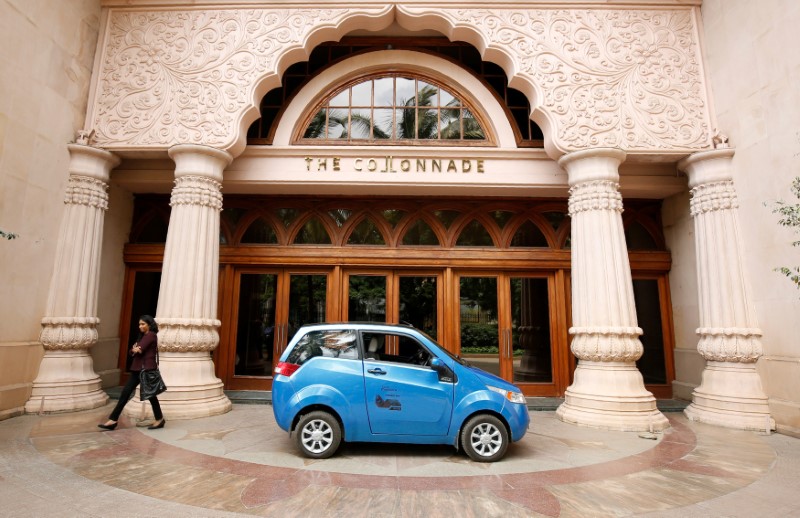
point(150, 321)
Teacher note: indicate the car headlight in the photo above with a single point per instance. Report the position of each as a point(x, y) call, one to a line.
point(514, 397)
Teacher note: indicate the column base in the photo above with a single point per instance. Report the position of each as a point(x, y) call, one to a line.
point(731, 396)
point(192, 389)
point(611, 396)
point(66, 383)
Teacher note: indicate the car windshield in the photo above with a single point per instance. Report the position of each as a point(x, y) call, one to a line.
point(455, 357)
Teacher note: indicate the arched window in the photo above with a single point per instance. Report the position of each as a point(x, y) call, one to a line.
point(395, 108)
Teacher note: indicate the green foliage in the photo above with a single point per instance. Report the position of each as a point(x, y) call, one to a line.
point(790, 217)
point(7, 235)
point(478, 336)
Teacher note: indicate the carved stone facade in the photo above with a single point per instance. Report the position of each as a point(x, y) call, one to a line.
point(626, 78)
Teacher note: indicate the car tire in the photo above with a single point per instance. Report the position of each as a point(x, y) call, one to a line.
point(485, 438)
point(318, 435)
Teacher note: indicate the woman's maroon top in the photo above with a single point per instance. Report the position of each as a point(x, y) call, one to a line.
point(147, 358)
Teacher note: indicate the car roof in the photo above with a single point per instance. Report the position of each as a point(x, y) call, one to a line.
point(357, 325)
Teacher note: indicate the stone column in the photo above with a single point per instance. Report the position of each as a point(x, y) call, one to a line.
point(608, 390)
point(730, 393)
point(66, 379)
point(187, 298)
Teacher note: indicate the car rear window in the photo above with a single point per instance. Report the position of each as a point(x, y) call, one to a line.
point(339, 343)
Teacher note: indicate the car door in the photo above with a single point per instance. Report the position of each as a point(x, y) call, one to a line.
point(404, 395)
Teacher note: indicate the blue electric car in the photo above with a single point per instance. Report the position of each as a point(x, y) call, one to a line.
point(367, 382)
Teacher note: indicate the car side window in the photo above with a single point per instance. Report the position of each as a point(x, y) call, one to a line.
point(327, 343)
point(396, 348)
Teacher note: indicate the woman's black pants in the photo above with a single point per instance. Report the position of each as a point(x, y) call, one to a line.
point(127, 392)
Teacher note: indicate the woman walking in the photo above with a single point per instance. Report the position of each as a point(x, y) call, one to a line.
point(144, 353)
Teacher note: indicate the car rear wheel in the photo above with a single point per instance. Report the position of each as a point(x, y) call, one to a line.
point(484, 438)
point(318, 435)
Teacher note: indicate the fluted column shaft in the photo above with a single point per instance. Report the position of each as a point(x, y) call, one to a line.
point(66, 380)
point(731, 393)
point(187, 298)
point(608, 390)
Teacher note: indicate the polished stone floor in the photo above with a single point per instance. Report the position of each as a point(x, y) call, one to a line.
point(240, 463)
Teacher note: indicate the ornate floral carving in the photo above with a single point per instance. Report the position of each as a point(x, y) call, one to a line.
point(713, 196)
point(730, 344)
point(606, 344)
point(83, 190)
point(186, 77)
point(596, 195)
point(626, 78)
point(197, 190)
point(68, 333)
point(188, 334)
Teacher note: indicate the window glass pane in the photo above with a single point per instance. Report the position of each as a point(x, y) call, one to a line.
point(427, 124)
point(447, 99)
point(555, 218)
point(450, 124)
point(472, 129)
point(501, 217)
point(367, 298)
point(393, 216)
point(384, 92)
point(382, 123)
point(529, 235)
point(366, 233)
point(405, 92)
point(316, 128)
point(638, 238)
point(360, 123)
point(313, 233)
point(474, 234)
point(287, 215)
point(426, 94)
point(406, 123)
point(337, 124)
point(342, 99)
point(260, 232)
point(447, 216)
point(420, 234)
point(340, 216)
point(362, 94)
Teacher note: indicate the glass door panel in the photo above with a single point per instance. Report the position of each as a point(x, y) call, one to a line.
point(366, 299)
point(478, 324)
point(308, 295)
point(530, 330)
point(419, 302)
point(255, 329)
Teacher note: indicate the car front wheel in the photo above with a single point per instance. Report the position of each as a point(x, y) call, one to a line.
point(318, 435)
point(484, 438)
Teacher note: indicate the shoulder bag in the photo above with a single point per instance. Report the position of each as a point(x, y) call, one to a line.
point(150, 382)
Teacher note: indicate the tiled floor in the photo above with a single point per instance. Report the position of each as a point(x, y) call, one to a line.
point(240, 462)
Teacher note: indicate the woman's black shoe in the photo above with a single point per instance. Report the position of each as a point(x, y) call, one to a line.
point(107, 426)
point(157, 426)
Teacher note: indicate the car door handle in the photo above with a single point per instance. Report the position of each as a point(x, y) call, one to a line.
point(376, 370)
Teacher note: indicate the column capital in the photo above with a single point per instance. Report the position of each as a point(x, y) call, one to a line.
point(198, 160)
point(91, 162)
point(587, 165)
point(710, 166)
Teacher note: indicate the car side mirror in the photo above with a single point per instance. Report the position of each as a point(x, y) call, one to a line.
point(442, 370)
